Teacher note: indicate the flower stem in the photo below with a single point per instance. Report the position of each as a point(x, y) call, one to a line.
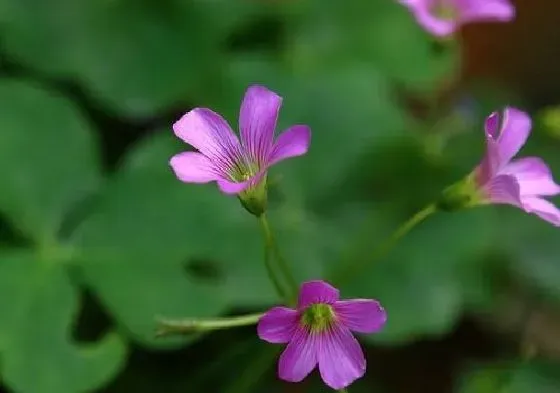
point(188, 326)
point(285, 274)
point(348, 271)
point(343, 391)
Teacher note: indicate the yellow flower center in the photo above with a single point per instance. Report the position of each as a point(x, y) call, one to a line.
point(318, 317)
point(444, 9)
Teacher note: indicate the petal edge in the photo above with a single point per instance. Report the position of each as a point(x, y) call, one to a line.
point(299, 358)
point(192, 167)
point(317, 292)
point(361, 315)
point(341, 359)
point(292, 142)
point(277, 325)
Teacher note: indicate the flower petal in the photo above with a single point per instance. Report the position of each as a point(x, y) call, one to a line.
point(492, 126)
point(503, 189)
point(291, 143)
point(257, 121)
point(490, 164)
point(430, 22)
point(312, 292)
point(192, 167)
point(211, 135)
point(361, 315)
point(341, 360)
point(278, 325)
point(542, 208)
point(514, 133)
point(299, 358)
point(232, 187)
point(533, 175)
point(485, 10)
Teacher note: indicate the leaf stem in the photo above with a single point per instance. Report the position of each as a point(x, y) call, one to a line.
point(349, 270)
point(285, 274)
point(168, 327)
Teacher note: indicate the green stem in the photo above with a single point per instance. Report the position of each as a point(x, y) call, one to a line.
point(188, 326)
point(343, 391)
point(272, 248)
point(348, 271)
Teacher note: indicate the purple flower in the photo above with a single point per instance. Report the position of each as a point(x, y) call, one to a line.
point(318, 333)
point(522, 182)
point(442, 17)
point(239, 167)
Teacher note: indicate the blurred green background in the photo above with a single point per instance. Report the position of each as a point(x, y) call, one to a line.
point(97, 237)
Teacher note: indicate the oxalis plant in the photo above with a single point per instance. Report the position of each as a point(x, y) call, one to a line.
point(314, 323)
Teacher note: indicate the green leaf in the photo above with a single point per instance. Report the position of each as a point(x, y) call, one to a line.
point(39, 304)
point(532, 246)
point(380, 34)
point(148, 226)
point(351, 111)
point(139, 238)
point(513, 377)
point(138, 57)
point(47, 158)
point(427, 278)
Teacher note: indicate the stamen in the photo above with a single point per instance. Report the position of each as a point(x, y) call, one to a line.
point(444, 9)
point(318, 317)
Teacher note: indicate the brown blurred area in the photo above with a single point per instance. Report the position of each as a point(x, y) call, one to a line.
point(523, 56)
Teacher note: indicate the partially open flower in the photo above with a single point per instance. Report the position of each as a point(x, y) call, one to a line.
point(499, 179)
point(523, 182)
point(442, 17)
point(238, 167)
point(318, 333)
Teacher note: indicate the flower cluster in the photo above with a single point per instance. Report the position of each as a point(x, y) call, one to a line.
point(318, 328)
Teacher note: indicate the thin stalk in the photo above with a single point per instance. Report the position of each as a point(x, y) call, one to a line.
point(351, 268)
point(188, 326)
point(271, 247)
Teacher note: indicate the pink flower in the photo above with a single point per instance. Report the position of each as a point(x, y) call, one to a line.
point(239, 167)
point(522, 182)
point(442, 17)
point(318, 332)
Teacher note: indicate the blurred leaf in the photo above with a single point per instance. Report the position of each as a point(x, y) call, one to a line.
point(429, 275)
point(138, 240)
point(532, 245)
point(47, 158)
point(148, 227)
point(379, 33)
point(139, 57)
point(351, 111)
point(39, 304)
point(530, 377)
point(550, 119)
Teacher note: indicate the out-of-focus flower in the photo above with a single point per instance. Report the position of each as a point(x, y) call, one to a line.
point(318, 332)
point(550, 119)
point(239, 167)
point(501, 180)
point(442, 17)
